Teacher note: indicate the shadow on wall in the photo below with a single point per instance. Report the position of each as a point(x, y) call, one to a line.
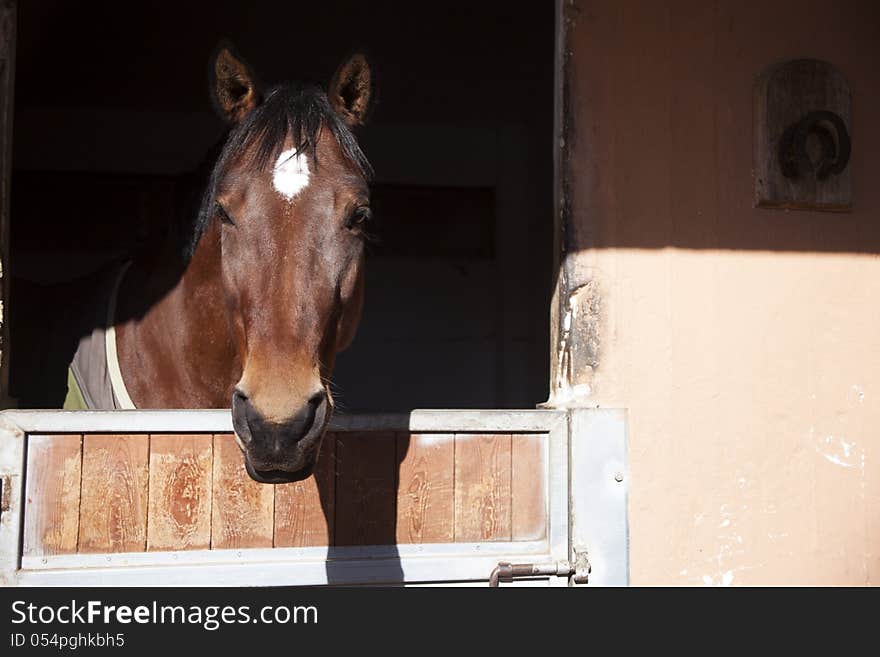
point(659, 144)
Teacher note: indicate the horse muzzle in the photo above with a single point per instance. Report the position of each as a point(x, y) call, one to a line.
point(280, 452)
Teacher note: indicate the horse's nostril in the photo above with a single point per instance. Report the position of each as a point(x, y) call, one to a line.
point(239, 416)
point(316, 399)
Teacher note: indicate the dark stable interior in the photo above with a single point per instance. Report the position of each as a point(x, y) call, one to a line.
point(112, 111)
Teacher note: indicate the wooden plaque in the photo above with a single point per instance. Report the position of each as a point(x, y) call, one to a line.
point(803, 137)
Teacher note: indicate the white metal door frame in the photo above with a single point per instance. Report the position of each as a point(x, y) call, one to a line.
point(581, 444)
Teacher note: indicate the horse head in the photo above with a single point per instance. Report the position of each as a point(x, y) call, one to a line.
point(290, 193)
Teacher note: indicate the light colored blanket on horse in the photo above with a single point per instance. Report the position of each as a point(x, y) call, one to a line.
point(94, 380)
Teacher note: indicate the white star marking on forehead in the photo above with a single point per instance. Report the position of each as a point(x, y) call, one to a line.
point(291, 173)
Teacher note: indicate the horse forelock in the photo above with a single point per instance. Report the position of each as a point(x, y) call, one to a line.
point(299, 111)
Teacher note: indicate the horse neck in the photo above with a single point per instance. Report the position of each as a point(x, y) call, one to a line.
point(178, 351)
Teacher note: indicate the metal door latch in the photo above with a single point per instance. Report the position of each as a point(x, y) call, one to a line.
point(578, 569)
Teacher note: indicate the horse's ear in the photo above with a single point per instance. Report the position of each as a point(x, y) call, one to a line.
point(352, 90)
point(234, 87)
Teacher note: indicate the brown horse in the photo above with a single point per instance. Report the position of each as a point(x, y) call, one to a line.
point(268, 286)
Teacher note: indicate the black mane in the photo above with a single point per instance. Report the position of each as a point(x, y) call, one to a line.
point(298, 110)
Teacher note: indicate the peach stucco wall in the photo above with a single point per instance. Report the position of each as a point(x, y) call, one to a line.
point(745, 342)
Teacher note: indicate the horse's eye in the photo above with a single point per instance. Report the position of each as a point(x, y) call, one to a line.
point(224, 216)
point(359, 218)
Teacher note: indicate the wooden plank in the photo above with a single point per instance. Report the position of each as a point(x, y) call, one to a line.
point(528, 498)
point(365, 489)
point(113, 507)
point(51, 515)
point(180, 492)
point(304, 510)
point(242, 509)
point(482, 487)
point(425, 494)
